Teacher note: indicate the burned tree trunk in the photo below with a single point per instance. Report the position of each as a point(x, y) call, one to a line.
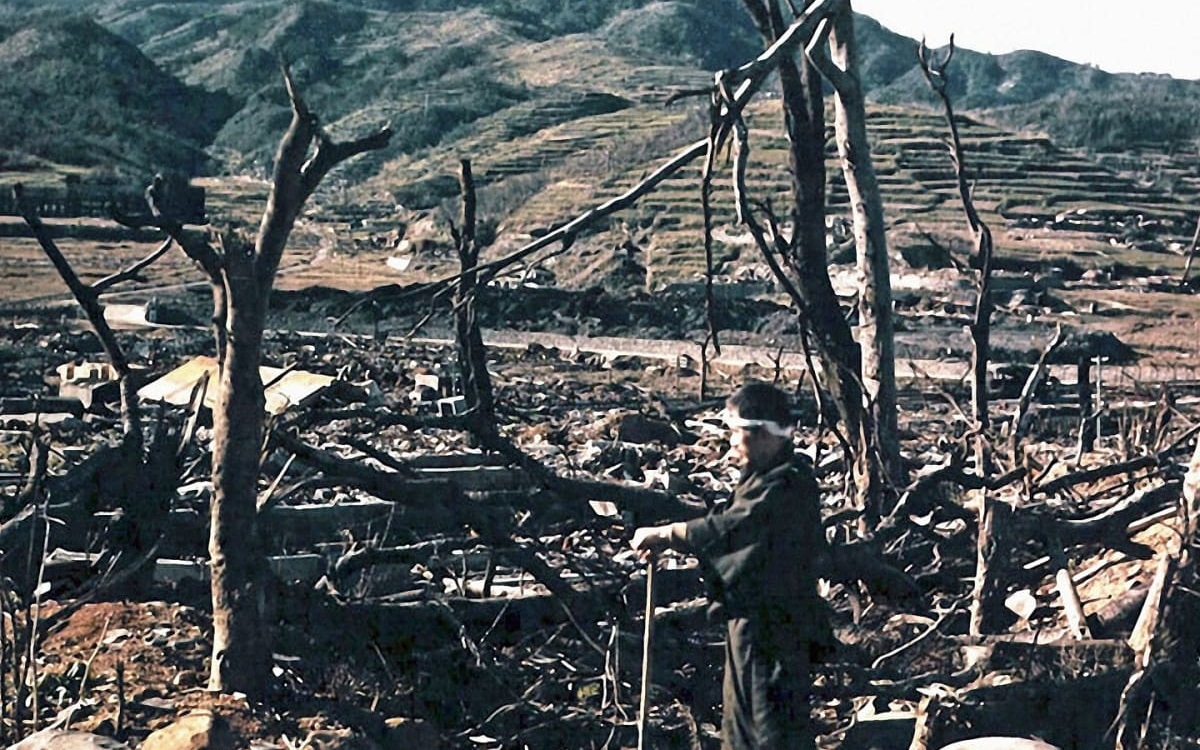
point(876, 335)
point(241, 650)
point(980, 328)
point(841, 361)
point(985, 589)
point(242, 285)
point(1083, 385)
point(241, 271)
point(472, 356)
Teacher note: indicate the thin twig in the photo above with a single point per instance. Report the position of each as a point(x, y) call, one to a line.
point(904, 647)
point(133, 271)
point(37, 616)
point(87, 668)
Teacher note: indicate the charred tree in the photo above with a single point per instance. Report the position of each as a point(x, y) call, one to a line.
point(1087, 419)
point(472, 356)
point(804, 252)
point(799, 261)
point(241, 268)
point(88, 297)
point(986, 592)
point(980, 327)
point(135, 478)
point(876, 334)
point(242, 271)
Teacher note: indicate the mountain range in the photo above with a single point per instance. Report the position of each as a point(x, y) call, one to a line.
point(126, 87)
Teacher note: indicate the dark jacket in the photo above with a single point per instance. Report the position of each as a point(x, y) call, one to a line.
point(761, 552)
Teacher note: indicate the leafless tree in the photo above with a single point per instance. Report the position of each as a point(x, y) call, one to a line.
point(472, 357)
point(803, 253)
point(985, 594)
point(241, 268)
point(876, 335)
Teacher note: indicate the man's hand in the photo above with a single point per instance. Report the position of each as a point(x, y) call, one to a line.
point(650, 540)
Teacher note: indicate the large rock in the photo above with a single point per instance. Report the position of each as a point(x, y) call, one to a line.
point(60, 739)
point(199, 730)
point(884, 731)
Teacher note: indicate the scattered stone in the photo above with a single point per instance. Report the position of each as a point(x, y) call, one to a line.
point(1000, 743)
point(926, 256)
point(637, 428)
point(198, 730)
point(882, 731)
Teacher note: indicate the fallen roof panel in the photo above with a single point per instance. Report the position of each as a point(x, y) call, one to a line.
point(284, 388)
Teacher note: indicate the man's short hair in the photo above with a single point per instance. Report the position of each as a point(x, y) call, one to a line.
point(759, 400)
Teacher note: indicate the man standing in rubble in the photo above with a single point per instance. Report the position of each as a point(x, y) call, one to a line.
point(760, 554)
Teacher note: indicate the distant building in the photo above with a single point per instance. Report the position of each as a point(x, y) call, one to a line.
point(75, 199)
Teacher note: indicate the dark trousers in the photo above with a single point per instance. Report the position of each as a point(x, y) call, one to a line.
point(765, 692)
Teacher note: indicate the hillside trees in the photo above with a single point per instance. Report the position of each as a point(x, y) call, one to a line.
point(102, 104)
point(1154, 115)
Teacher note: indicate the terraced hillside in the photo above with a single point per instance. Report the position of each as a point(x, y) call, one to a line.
point(559, 112)
point(1046, 204)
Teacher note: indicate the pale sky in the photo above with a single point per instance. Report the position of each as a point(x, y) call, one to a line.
point(1134, 36)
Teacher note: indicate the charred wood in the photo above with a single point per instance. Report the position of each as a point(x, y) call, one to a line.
point(363, 557)
point(1110, 526)
point(1100, 472)
point(1022, 412)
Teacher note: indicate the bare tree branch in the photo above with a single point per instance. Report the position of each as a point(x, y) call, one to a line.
point(295, 177)
point(747, 78)
point(134, 271)
point(716, 135)
point(194, 243)
point(800, 31)
point(490, 270)
point(89, 300)
point(935, 73)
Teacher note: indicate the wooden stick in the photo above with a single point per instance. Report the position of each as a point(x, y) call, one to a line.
point(1071, 604)
point(1142, 637)
point(647, 651)
point(1191, 255)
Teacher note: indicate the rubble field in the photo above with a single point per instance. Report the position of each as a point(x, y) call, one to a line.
point(433, 588)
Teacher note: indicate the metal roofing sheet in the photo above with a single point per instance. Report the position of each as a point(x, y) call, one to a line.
point(284, 388)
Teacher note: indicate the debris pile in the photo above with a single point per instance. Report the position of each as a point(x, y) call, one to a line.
point(481, 589)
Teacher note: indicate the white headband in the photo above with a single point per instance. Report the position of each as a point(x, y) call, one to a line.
point(774, 428)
